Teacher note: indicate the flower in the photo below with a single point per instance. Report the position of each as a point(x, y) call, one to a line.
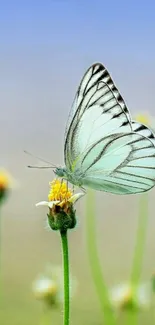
point(45, 289)
point(59, 191)
point(59, 194)
point(60, 202)
point(145, 118)
point(48, 287)
point(126, 296)
point(6, 183)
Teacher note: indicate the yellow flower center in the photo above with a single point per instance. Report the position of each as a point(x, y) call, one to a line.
point(128, 300)
point(4, 180)
point(127, 297)
point(49, 291)
point(143, 118)
point(59, 191)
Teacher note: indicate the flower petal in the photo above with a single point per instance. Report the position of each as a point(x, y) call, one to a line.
point(74, 198)
point(46, 203)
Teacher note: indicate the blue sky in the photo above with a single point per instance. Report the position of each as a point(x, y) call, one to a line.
point(124, 27)
point(46, 46)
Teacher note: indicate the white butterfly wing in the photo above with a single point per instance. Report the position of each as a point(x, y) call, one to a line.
point(120, 164)
point(98, 110)
point(101, 144)
point(144, 130)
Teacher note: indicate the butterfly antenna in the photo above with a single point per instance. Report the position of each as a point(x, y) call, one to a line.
point(40, 167)
point(43, 160)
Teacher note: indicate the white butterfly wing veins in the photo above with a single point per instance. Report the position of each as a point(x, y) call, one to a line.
point(143, 130)
point(103, 148)
point(98, 110)
point(125, 165)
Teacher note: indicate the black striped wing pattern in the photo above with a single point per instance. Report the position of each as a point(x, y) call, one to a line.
point(102, 144)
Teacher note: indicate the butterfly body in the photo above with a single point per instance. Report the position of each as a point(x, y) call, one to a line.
point(73, 178)
point(104, 148)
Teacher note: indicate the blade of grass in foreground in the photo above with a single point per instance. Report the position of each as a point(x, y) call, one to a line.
point(138, 254)
point(101, 288)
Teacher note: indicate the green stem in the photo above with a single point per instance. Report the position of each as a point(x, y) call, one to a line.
point(139, 252)
point(140, 240)
point(66, 275)
point(46, 317)
point(101, 288)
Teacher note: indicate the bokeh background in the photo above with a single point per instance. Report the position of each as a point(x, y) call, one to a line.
point(45, 48)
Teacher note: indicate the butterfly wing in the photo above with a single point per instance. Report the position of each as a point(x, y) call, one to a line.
point(98, 110)
point(144, 130)
point(120, 164)
point(100, 143)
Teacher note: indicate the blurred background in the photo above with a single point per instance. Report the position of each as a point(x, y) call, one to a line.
point(46, 46)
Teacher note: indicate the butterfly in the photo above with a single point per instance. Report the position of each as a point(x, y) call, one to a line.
point(104, 148)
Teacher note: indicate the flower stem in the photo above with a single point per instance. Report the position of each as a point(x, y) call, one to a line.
point(139, 252)
point(64, 240)
point(140, 240)
point(46, 317)
point(101, 288)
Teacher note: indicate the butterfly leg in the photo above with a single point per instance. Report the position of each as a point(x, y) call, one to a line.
point(66, 188)
point(61, 183)
point(83, 190)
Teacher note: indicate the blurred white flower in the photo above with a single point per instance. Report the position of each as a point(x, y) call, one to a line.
point(48, 287)
point(125, 296)
point(45, 289)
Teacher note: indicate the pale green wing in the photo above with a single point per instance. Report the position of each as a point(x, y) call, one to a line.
point(120, 164)
point(98, 110)
point(143, 130)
